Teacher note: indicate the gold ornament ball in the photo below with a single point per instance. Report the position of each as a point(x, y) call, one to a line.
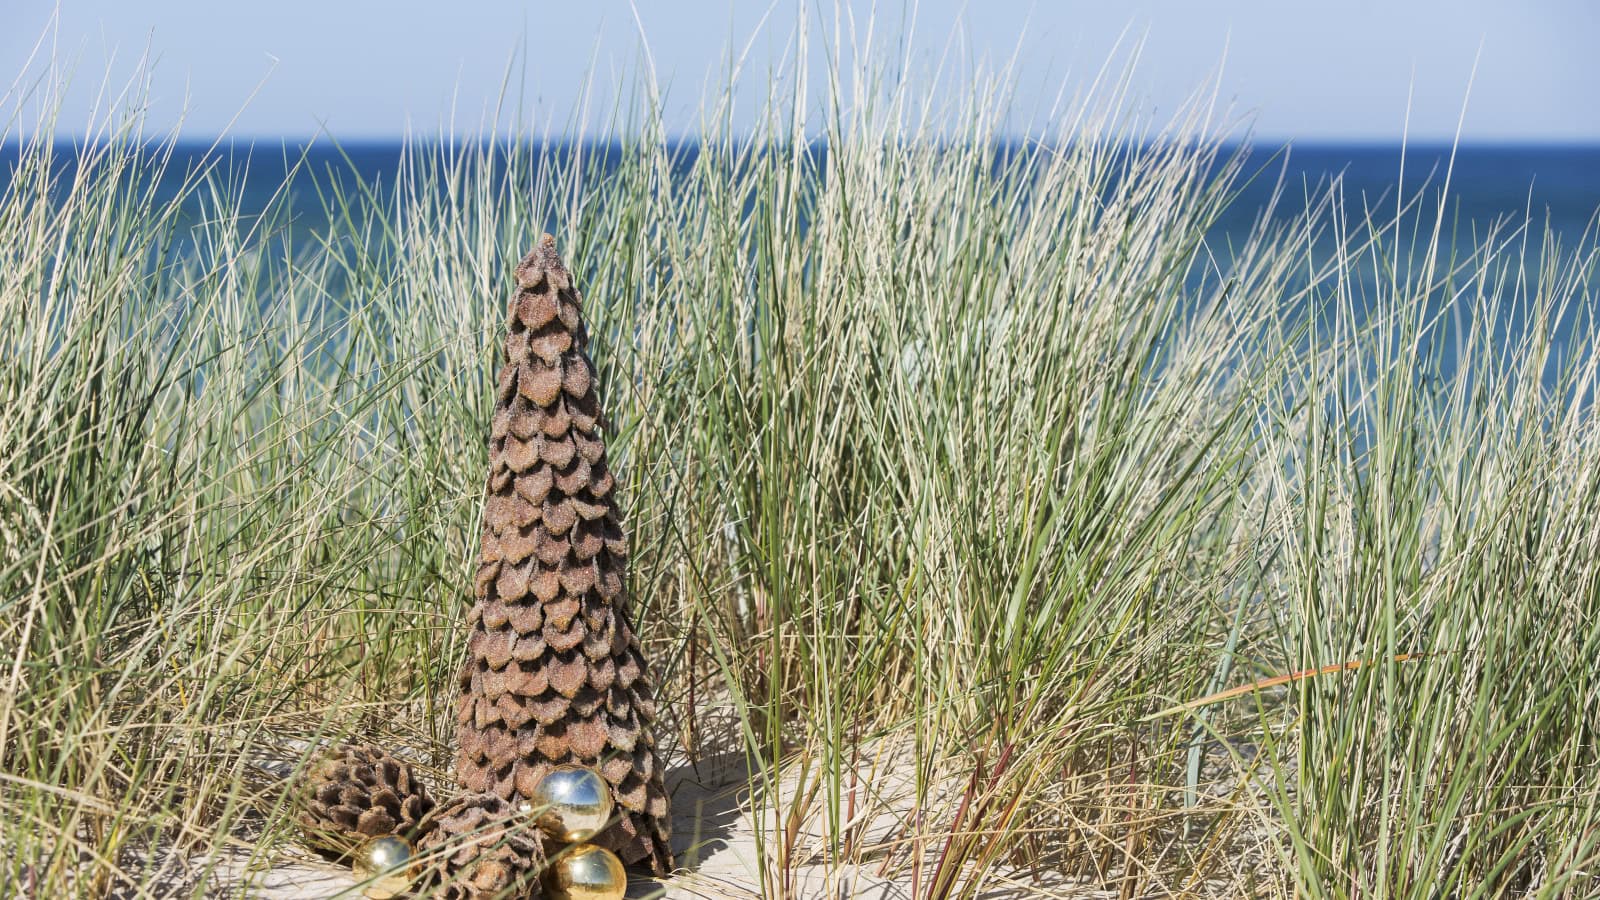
point(586, 872)
point(389, 863)
point(570, 803)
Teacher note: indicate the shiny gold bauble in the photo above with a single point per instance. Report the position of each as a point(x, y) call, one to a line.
point(586, 872)
point(388, 864)
point(570, 803)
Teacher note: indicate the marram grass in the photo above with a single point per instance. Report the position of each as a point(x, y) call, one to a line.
point(924, 439)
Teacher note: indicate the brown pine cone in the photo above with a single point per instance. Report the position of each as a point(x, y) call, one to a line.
point(478, 848)
point(357, 792)
point(554, 671)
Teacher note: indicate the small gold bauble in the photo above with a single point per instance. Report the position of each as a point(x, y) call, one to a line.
point(586, 872)
point(570, 803)
point(388, 864)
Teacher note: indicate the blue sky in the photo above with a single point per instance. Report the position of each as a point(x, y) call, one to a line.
point(364, 69)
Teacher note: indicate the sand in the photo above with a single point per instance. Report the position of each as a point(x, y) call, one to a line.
point(715, 823)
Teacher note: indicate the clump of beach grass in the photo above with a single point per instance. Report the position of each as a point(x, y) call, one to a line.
point(928, 439)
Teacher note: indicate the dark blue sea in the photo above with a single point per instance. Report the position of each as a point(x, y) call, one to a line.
point(1552, 189)
point(1554, 185)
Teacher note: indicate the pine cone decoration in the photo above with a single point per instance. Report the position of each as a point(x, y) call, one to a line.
point(359, 792)
point(478, 849)
point(554, 672)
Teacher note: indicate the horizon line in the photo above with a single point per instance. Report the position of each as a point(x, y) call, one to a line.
point(1255, 141)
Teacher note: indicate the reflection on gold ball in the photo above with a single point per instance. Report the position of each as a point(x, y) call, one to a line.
point(388, 862)
point(586, 872)
point(570, 803)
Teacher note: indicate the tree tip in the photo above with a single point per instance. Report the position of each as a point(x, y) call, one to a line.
point(540, 262)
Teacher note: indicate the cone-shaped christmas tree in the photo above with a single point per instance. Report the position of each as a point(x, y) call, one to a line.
point(554, 672)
